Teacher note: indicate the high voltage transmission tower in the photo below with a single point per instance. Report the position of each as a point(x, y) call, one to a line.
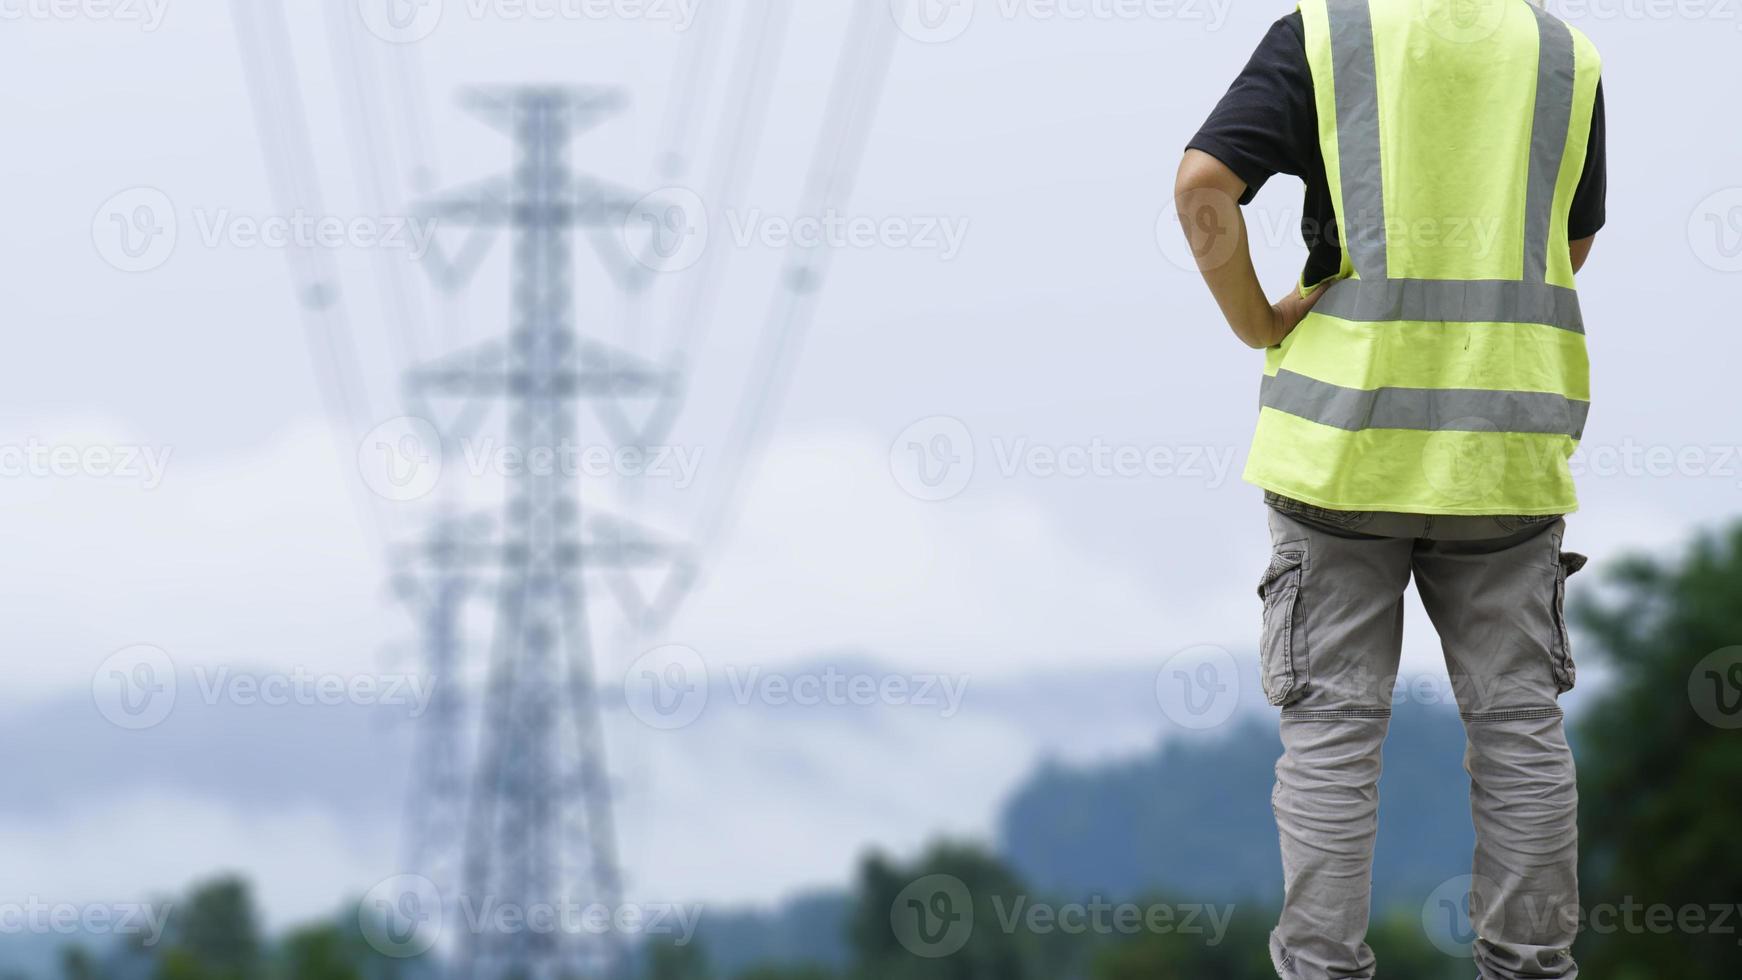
point(538, 829)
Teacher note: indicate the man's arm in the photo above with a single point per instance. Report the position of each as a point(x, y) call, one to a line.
point(1206, 194)
point(1581, 251)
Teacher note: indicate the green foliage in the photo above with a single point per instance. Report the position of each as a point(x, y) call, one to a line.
point(990, 952)
point(773, 972)
point(1242, 954)
point(1661, 787)
point(214, 935)
point(322, 952)
point(77, 963)
point(677, 961)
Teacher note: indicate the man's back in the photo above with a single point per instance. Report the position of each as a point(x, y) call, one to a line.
point(1422, 392)
point(1444, 370)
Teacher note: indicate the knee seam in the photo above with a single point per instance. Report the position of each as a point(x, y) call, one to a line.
point(1335, 714)
point(1512, 714)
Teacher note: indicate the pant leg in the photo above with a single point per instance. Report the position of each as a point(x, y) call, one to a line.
point(1497, 605)
point(1333, 633)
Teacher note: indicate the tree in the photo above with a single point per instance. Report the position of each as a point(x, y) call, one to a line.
point(677, 961)
point(322, 952)
point(216, 935)
point(1660, 778)
point(944, 917)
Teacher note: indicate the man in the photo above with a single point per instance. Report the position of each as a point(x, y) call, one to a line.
point(1423, 389)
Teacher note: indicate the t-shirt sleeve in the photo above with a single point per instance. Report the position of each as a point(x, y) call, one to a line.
point(1267, 123)
point(1589, 210)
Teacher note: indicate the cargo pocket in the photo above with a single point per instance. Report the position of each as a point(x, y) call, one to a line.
point(1282, 660)
point(1565, 673)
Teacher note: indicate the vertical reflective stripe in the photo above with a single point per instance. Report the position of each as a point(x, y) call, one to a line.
point(1555, 71)
point(1361, 222)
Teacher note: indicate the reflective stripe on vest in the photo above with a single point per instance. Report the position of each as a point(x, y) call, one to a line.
point(1444, 388)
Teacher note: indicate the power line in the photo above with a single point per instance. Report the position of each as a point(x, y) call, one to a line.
point(281, 125)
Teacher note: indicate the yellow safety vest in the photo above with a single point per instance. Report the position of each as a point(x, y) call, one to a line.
point(1445, 371)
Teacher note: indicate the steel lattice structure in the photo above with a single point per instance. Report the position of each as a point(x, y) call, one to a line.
point(539, 838)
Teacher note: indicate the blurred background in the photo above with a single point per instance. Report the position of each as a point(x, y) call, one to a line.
point(750, 489)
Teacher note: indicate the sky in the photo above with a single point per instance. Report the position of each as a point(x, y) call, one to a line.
point(1005, 294)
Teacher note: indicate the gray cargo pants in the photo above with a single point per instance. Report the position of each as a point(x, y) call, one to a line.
point(1333, 631)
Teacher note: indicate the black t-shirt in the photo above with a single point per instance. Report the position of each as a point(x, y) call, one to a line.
point(1268, 124)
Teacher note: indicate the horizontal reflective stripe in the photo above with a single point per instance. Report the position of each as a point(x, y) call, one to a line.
point(1453, 301)
point(1426, 409)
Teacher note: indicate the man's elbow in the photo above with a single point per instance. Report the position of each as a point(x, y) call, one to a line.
point(1200, 172)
